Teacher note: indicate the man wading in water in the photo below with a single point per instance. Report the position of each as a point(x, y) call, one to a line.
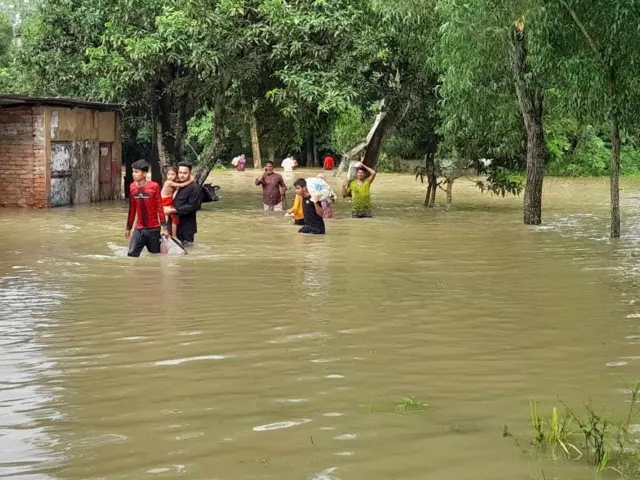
point(146, 205)
point(273, 189)
point(185, 205)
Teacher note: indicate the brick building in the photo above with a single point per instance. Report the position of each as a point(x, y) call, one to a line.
point(56, 152)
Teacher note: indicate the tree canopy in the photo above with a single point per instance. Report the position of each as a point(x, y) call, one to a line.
point(495, 85)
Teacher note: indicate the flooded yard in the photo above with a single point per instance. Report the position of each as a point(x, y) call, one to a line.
point(267, 355)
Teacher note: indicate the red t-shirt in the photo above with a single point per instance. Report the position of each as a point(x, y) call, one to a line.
point(145, 204)
point(328, 162)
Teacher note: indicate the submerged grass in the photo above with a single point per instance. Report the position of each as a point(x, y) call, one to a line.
point(599, 438)
point(407, 403)
point(410, 403)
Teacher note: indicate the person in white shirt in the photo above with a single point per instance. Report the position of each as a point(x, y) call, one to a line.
point(287, 165)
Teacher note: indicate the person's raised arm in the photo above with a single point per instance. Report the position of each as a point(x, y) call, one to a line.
point(131, 217)
point(192, 204)
point(179, 184)
point(260, 179)
point(346, 189)
point(372, 172)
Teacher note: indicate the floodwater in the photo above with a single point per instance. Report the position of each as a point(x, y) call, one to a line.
point(267, 355)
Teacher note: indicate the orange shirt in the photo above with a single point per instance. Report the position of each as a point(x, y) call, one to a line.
point(328, 162)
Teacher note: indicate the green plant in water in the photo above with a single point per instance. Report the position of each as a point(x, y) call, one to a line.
point(553, 432)
point(605, 442)
point(410, 403)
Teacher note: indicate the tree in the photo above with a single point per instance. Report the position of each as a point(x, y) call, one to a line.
point(604, 60)
point(491, 60)
point(333, 55)
point(54, 38)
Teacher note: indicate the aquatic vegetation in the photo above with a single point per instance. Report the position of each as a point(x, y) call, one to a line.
point(604, 441)
point(410, 403)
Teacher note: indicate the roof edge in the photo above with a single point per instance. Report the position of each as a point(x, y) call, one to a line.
point(14, 100)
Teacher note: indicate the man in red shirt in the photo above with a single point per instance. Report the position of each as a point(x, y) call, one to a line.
point(328, 162)
point(146, 205)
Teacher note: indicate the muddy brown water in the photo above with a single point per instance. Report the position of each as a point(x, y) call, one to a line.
point(267, 355)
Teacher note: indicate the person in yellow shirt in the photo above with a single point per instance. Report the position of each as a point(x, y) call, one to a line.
point(296, 211)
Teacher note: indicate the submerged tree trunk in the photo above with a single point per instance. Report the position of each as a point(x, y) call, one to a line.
point(376, 141)
point(219, 141)
point(309, 152)
point(449, 189)
point(314, 146)
point(432, 187)
point(154, 162)
point(432, 180)
point(255, 141)
point(166, 139)
point(530, 99)
point(615, 157)
point(181, 128)
point(615, 121)
point(347, 156)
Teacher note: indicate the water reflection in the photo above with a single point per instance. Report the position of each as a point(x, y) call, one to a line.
point(264, 354)
point(27, 376)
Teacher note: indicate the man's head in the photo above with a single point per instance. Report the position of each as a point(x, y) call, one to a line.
point(184, 171)
point(140, 169)
point(172, 173)
point(361, 174)
point(301, 187)
point(268, 167)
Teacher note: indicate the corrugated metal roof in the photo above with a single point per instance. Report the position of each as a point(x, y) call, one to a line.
point(11, 100)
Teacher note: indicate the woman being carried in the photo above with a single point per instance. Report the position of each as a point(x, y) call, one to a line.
point(169, 189)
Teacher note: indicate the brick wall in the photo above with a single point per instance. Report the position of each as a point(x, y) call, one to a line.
point(23, 172)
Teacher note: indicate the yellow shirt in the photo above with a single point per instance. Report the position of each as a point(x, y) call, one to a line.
point(297, 208)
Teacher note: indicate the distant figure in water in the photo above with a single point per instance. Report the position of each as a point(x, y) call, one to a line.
point(313, 222)
point(242, 163)
point(328, 162)
point(288, 166)
point(145, 204)
point(359, 190)
point(169, 189)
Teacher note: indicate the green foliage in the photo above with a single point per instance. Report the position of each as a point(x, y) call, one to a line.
point(392, 164)
point(322, 68)
point(587, 153)
point(199, 130)
point(501, 181)
point(410, 403)
point(349, 129)
point(219, 167)
point(604, 441)
point(553, 432)
point(6, 37)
